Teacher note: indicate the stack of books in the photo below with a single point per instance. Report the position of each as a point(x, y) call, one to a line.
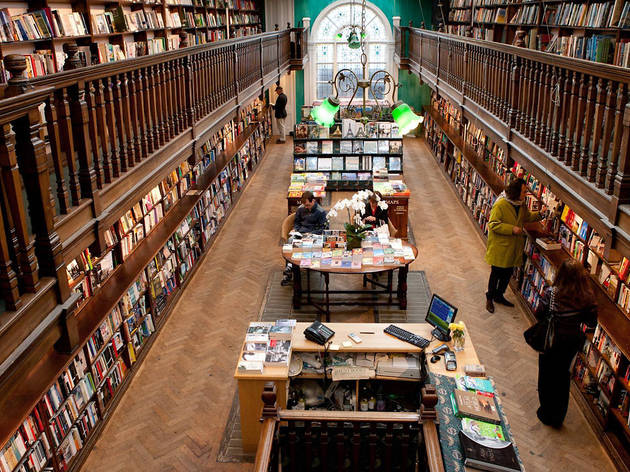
point(266, 345)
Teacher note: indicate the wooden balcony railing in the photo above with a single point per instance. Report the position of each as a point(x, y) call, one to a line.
point(409, 440)
point(569, 115)
point(73, 146)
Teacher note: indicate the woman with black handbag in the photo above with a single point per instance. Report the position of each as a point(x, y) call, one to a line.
point(571, 304)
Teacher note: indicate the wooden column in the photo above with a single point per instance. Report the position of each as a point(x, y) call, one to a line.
point(81, 136)
point(622, 178)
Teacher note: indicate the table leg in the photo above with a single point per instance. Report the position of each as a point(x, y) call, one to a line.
point(390, 275)
point(308, 286)
point(326, 280)
point(297, 287)
point(402, 287)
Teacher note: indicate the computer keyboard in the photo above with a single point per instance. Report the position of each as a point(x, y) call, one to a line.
point(406, 336)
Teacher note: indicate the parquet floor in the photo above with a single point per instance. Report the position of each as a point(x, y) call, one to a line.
point(173, 414)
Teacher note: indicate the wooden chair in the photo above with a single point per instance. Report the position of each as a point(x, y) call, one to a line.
point(287, 226)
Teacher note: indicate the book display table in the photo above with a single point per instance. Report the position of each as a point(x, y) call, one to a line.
point(374, 342)
point(323, 306)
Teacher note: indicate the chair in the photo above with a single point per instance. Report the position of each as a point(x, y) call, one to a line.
point(287, 226)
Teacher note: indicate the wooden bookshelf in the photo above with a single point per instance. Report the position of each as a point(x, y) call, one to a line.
point(111, 30)
point(593, 29)
point(604, 407)
point(26, 395)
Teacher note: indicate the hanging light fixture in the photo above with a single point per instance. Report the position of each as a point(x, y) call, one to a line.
point(405, 118)
point(324, 114)
point(353, 40)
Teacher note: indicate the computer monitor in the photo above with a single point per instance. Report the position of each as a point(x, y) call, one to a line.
point(440, 314)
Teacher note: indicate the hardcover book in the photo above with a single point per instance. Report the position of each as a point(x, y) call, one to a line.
point(337, 163)
point(395, 164)
point(489, 454)
point(357, 147)
point(327, 147)
point(345, 147)
point(324, 163)
point(298, 164)
point(311, 147)
point(313, 131)
point(370, 147)
point(311, 163)
point(395, 147)
point(323, 131)
point(383, 146)
point(379, 162)
point(352, 162)
point(301, 131)
point(475, 405)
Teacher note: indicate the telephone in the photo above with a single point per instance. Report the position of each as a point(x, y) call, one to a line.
point(318, 333)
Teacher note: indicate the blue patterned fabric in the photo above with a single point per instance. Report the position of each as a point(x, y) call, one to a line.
point(450, 424)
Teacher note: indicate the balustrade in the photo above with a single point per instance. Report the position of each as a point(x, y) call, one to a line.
point(572, 110)
point(66, 137)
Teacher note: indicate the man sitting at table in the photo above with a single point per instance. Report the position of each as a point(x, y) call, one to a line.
point(374, 214)
point(310, 217)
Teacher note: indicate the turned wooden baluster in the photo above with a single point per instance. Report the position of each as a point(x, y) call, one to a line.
point(204, 77)
point(95, 149)
point(168, 102)
point(514, 92)
point(72, 59)
point(524, 96)
point(404, 447)
point(534, 85)
point(189, 89)
point(23, 244)
point(161, 104)
point(119, 121)
point(609, 117)
point(324, 442)
point(340, 445)
point(136, 113)
point(503, 88)
point(595, 155)
point(496, 88)
point(292, 440)
point(578, 164)
point(372, 446)
point(618, 134)
point(181, 94)
point(153, 107)
point(622, 178)
point(50, 112)
point(127, 120)
point(388, 442)
point(199, 85)
point(544, 101)
point(8, 278)
point(64, 121)
point(30, 147)
point(355, 442)
point(81, 135)
point(564, 108)
point(552, 110)
point(212, 73)
point(172, 103)
point(591, 165)
point(572, 119)
point(103, 131)
point(308, 444)
point(111, 127)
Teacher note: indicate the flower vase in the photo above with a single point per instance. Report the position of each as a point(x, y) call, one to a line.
point(458, 340)
point(353, 242)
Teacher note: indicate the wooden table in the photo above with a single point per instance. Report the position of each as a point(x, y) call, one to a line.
point(251, 385)
point(365, 271)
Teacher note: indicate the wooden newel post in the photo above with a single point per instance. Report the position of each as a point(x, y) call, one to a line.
point(275, 27)
point(519, 39)
point(429, 400)
point(183, 40)
point(269, 397)
point(72, 60)
point(422, 25)
point(18, 83)
point(429, 420)
point(468, 32)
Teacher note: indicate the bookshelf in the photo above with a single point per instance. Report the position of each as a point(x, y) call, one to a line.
point(596, 30)
point(113, 30)
point(69, 397)
point(601, 376)
point(348, 153)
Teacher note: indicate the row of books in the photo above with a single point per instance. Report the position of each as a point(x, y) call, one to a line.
point(41, 24)
point(347, 163)
point(598, 48)
point(602, 15)
point(77, 436)
point(459, 15)
point(28, 445)
point(355, 146)
point(460, 3)
point(266, 345)
point(526, 15)
point(348, 129)
point(244, 19)
point(489, 15)
point(120, 21)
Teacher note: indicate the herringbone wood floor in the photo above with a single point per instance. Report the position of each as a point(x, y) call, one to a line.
point(173, 414)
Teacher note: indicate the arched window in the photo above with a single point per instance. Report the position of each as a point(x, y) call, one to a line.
point(331, 52)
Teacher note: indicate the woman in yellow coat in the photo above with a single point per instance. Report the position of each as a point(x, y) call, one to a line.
point(506, 240)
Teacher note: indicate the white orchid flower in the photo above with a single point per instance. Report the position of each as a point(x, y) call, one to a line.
point(357, 220)
point(332, 213)
point(382, 204)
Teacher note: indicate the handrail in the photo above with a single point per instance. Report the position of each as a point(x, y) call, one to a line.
point(265, 445)
point(571, 117)
point(350, 416)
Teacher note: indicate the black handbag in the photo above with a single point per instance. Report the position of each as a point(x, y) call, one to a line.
point(542, 335)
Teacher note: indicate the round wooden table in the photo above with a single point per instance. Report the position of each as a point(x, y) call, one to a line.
point(365, 271)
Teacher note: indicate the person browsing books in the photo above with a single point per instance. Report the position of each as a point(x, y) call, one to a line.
point(310, 217)
point(374, 214)
point(572, 301)
point(280, 112)
point(506, 239)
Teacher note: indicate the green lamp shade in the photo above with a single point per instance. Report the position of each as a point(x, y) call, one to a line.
point(324, 114)
point(406, 119)
point(353, 40)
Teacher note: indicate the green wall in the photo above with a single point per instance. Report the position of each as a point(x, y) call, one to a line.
point(410, 91)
